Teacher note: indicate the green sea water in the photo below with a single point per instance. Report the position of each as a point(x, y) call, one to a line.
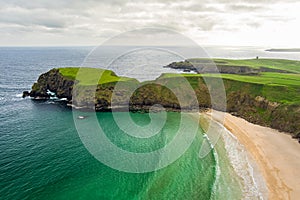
point(51, 162)
point(188, 177)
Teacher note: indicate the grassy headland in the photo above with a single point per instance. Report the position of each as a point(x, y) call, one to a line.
point(279, 64)
point(267, 97)
point(244, 66)
point(90, 76)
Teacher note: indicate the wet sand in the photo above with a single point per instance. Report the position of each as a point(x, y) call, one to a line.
point(276, 154)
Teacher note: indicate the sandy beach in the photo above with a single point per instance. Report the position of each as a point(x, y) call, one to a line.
point(276, 154)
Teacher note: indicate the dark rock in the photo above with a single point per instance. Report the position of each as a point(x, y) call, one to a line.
point(54, 82)
point(25, 94)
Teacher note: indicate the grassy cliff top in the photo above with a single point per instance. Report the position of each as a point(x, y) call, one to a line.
point(277, 87)
point(281, 64)
point(90, 76)
point(265, 78)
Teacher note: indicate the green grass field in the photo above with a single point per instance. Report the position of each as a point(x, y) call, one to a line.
point(277, 87)
point(266, 78)
point(91, 76)
point(281, 64)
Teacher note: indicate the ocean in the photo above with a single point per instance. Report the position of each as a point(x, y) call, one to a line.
point(42, 155)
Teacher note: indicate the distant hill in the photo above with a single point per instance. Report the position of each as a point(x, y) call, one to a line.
point(284, 50)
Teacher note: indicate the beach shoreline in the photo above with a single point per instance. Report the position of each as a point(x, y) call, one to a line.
point(275, 153)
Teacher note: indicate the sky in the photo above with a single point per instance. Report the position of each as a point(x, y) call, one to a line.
point(269, 23)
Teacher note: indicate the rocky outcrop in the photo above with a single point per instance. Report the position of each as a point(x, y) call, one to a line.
point(51, 82)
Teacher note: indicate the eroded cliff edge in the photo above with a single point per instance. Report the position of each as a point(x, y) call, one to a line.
point(247, 100)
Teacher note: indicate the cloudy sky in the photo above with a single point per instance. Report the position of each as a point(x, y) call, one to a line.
point(272, 23)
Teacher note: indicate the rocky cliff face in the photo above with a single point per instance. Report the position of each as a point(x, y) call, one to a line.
point(240, 101)
point(54, 82)
point(260, 111)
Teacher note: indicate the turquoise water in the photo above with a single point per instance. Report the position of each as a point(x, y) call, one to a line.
point(47, 160)
point(42, 156)
point(50, 162)
point(187, 177)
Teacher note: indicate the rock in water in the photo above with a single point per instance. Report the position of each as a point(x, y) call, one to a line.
point(25, 94)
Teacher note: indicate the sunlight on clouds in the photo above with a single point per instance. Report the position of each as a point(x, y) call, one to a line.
point(216, 22)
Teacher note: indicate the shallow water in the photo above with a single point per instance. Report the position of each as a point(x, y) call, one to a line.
point(43, 157)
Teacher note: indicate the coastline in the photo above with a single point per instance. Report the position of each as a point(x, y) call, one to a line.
point(275, 153)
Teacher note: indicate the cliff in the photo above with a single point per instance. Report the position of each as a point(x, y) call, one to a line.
point(51, 81)
point(251, 101)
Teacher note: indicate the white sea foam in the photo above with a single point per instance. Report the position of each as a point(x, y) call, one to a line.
point(240, 162)
point(19, 95)
point(218, 172)
point(50, 102)
point(50, 93)
point(253, 185)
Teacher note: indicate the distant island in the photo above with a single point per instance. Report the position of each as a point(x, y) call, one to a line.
point(262, 91)
point(284, 50)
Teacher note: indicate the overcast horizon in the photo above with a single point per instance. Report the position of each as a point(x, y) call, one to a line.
point(261, 23)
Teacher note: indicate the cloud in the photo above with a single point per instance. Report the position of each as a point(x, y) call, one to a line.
point(245, 7)
point(93, 21)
